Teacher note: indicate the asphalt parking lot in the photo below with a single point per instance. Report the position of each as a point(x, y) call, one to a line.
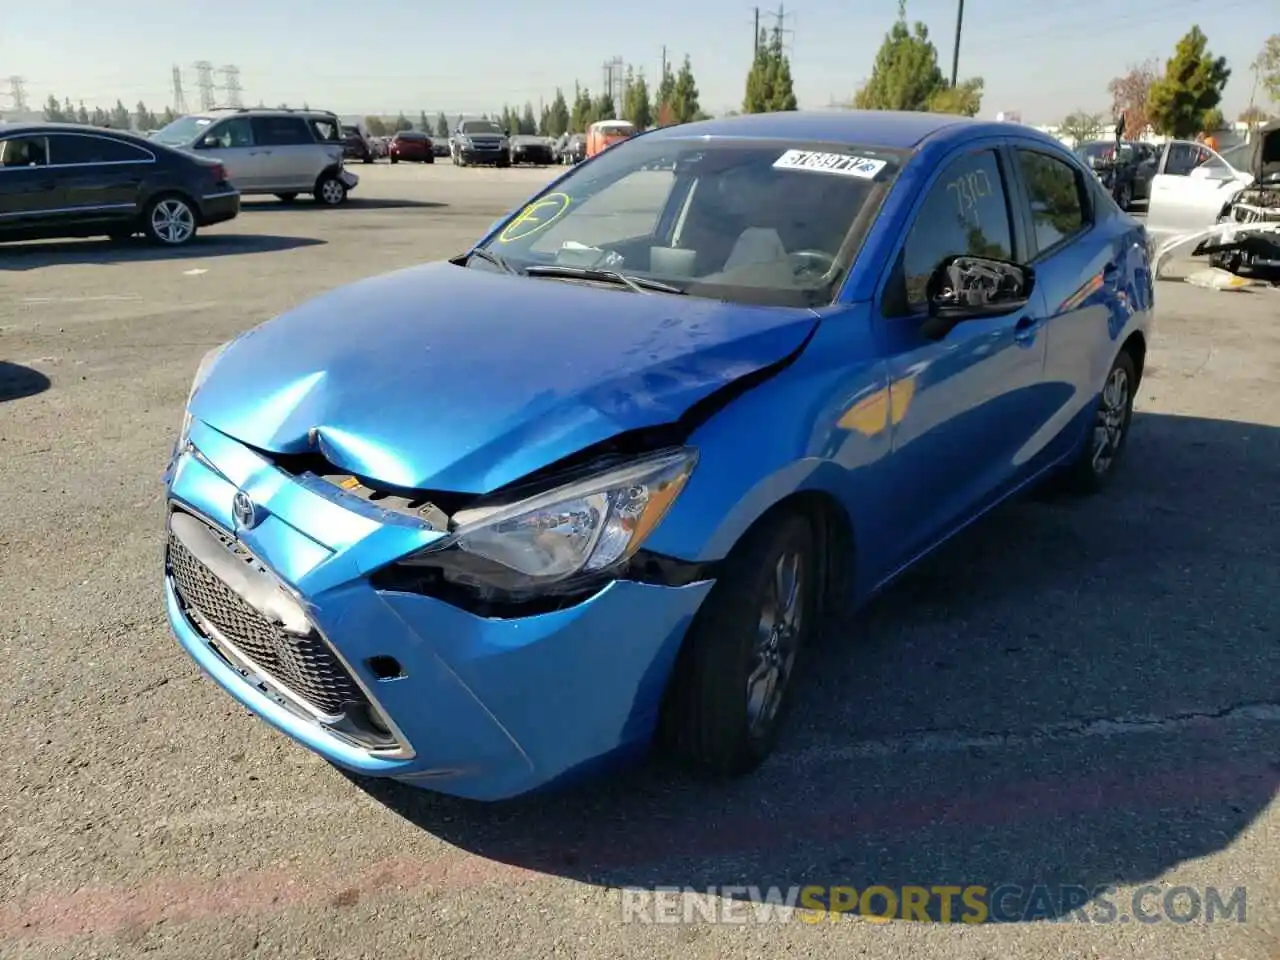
point(1074, 693)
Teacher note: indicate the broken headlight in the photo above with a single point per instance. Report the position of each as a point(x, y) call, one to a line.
point(554, 540)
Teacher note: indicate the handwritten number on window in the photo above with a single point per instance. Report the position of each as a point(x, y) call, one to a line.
point(968, 189)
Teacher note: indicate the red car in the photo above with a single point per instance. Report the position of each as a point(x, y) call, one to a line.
point(411, 145)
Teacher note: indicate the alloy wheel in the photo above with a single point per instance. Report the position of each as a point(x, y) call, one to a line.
point(1111, 421)
point(172, 222)
point(777, 642)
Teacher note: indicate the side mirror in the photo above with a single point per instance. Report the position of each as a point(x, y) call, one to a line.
point(972, 288)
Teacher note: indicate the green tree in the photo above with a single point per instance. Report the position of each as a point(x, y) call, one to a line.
point(636, 105)
point(53, 112)
point(1213, 121)
point(605, 108)
point(965, 98)
point(145, 119)
point(423, 123)
point(442, 127)
point(665, 94)
point(120, 117)
point(906, 72)
point(769, 86)
point(528, 123)
point(1191, 86)
point(684, 96)
point(376, 126)
point(558, 115)
point(402, 123)
point(1081, 127)
point(584, 111)
point(1267, 65)
point(167, 117)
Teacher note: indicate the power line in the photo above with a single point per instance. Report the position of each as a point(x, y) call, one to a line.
point(18, 93)
point(614, 80)
point(179, 98)
point(231, 80)
point(204, 81)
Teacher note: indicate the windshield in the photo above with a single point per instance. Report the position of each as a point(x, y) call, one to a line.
point(182, 131)
point(481, 126)
point(1237, 156)
point(747, 221)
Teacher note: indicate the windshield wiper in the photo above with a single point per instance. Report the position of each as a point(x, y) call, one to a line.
point(635, 284)
point(489, 256)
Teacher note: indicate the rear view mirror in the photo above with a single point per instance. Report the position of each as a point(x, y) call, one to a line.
point(971, 288)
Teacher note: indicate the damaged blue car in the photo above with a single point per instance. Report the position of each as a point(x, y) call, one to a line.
point(484, 525)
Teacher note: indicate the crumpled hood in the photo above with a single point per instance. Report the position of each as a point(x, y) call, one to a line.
point(449, 378)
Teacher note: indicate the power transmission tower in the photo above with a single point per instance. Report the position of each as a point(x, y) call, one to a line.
point(204, 80)
point(179, 98)
point(231, 80)
point(613, 81)
point(780, 32)
point(18, 93)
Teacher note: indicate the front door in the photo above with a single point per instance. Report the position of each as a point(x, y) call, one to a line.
point(29, 191)
point(101, 176)
point(1188, 193)
point(230, 142)
point(963, 405)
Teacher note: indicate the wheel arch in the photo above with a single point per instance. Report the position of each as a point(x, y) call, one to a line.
point(1136, 346)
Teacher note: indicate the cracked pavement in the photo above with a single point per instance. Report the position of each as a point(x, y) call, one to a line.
point(1071, 693)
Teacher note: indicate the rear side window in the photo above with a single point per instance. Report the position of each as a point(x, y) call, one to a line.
point(325, 130)
point(1182, 158)
point(68, 148)
point(966, 212)
point(1055, 192)
point(280, 131)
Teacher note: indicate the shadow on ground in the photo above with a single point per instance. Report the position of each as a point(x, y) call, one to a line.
point(17, 381)
point(974, 731)
point(265, 205)
point(33, 255)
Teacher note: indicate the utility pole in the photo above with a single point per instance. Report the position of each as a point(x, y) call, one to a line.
point(231, 80)
point(780, 31)
point(204, 81)
point(613, 81)
point(755, 37)
point(179, 98)
point(663, 75)
point(955, 55)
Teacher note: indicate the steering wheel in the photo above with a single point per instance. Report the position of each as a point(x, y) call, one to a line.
point(817, 262)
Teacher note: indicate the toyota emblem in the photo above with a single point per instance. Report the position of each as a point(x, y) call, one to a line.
point(245, 511)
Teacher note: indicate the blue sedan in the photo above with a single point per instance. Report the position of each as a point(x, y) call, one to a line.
point(485, 525)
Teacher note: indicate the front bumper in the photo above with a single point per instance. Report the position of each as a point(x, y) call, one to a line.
point(482, 708)
point(480, 157)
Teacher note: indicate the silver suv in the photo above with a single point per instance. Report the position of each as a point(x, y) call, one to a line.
point(284, 152)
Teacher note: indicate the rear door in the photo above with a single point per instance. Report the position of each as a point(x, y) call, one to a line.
point(291, 152)
point(101, 176)
point(1077, 245)
point(1192, 185)
point(230, 142)
point(30, 193)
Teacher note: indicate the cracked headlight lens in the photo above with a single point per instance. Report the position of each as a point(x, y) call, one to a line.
point(581, 529)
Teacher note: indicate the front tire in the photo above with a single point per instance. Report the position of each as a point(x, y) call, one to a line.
point(1109, 435)
point(169, 221)
point(731, 688)
point(330, 191)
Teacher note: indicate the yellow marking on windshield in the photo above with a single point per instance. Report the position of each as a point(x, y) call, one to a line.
point(536, 216)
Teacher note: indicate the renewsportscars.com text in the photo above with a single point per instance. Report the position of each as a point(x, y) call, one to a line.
point(942, 903)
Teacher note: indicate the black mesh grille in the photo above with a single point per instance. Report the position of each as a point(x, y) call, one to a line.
point(304, 665)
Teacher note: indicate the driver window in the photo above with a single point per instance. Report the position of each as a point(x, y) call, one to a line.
point(966, 212)
point(236, 132)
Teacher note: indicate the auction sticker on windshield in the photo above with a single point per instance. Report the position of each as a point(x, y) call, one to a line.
point(536, 216)
point(844, 164)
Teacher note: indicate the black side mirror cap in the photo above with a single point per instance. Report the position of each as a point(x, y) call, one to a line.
point(972, 288)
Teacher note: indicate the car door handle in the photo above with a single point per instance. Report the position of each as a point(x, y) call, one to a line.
point(254, 153)
point(1024, 331)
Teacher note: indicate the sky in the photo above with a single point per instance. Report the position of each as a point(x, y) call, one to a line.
point(388, 56)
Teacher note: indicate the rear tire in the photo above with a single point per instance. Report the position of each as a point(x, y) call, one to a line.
point(330, 191)
point(169, 221)
point(755, 623)
point(395, 159)
point(1109, 436)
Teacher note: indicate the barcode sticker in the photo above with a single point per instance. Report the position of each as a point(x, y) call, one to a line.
point(841, 164)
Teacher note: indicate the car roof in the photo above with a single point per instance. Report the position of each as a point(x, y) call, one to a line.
point(893, 129)
point(32, 127)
